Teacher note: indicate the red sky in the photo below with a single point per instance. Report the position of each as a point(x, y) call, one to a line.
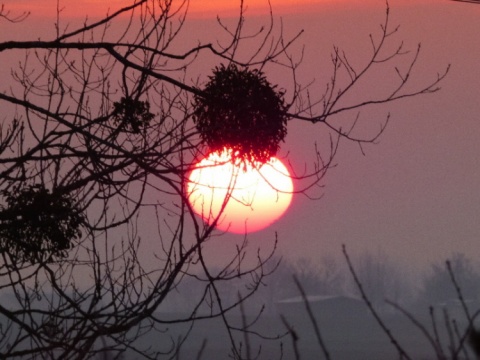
point(198, 8)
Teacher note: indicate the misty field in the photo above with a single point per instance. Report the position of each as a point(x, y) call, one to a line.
point(348, 335)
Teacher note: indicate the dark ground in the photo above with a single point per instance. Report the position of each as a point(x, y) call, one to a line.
point(356, 336)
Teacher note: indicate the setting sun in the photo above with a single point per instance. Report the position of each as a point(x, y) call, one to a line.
point(247, 198)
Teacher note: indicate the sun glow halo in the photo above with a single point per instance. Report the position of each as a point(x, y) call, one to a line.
point(247, 197)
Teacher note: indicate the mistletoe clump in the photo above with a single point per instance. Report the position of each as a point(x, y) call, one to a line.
point(241, 111)
point(38, 225)
point(132, 115)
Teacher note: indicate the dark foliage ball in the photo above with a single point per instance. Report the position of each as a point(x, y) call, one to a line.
point(132, 115)
point(240, 110)
point(37, 225)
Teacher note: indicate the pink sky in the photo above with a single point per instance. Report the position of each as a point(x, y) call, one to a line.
point(416, 195)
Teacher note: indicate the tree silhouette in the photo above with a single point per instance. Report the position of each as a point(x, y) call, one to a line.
point(438, 287)
point(97, 139)
point(469, 1)
point(381, 278)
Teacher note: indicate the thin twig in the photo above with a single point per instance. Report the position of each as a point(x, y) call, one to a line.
point(386, 330)
point(312, 319)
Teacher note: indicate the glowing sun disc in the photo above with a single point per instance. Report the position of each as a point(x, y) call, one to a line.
point(247, 198)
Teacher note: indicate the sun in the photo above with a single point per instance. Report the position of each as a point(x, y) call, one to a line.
point(242, 197)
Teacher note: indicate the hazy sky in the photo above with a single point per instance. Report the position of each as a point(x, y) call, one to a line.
point(416, 194)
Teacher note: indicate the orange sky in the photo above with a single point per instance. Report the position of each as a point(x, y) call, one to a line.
point(198, 8)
